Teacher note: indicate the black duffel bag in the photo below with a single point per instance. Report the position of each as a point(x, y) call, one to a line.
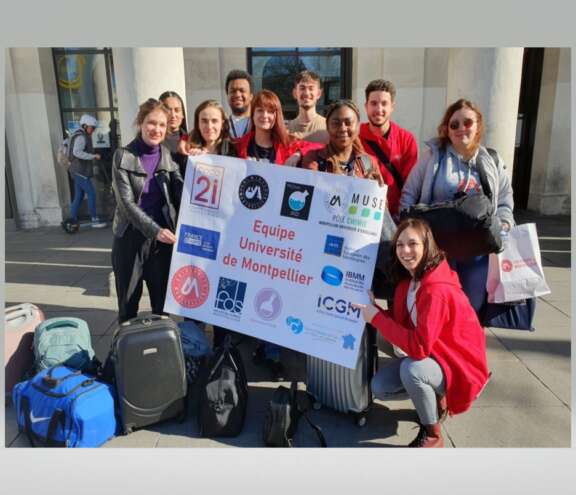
point(465, 226)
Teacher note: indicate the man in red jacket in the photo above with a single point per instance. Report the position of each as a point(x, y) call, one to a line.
point(394, 147)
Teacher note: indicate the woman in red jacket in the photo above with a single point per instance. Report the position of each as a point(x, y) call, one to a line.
point(433, 322)
point(269, 140)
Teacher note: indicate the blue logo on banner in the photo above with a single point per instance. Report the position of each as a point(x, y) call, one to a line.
point(332, 275)
point(348, 342)
point(198, 242)
point(230, 295)
point(295, 324)
point(334, 245)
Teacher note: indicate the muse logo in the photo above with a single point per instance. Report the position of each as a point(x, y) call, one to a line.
point(339, 308)
point(230, 296)
point(336, 201)
point(253, 192)
point(297, 200)
point(366, 205)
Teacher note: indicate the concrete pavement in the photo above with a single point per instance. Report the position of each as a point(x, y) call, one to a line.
point(526, 404)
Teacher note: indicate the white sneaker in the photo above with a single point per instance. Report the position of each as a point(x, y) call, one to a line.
point(97, 224)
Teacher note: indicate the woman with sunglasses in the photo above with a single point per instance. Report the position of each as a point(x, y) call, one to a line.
point(432, 321)
point(451, 167)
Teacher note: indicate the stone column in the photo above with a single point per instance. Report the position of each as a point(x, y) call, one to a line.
point(143, 73)
point(28, 127)
point(491, 78)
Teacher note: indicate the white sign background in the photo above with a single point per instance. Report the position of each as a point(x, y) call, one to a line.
point(243, 265)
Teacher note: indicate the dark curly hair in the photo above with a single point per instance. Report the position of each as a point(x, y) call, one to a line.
point(431, 257)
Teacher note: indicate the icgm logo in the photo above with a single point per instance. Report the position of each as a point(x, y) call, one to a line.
point(230, 296)
point(331, 305)
point(190, 286)
point(297, 200)
point(253, 192)
point(507, 266)
point(366, 206)
point(268, 304)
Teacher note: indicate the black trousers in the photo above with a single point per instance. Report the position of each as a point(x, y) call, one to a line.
point(136, 259)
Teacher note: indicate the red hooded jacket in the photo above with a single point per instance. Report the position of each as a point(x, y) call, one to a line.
point(282, 152)
point(448, 330)
point(402, 152)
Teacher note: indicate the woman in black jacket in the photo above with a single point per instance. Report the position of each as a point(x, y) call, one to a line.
point(147, 186)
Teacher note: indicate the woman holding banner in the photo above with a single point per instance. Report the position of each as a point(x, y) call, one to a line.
point(344, 153)
point(269, 142)
point(210, 133)
point(433, 322)
point(147, 186)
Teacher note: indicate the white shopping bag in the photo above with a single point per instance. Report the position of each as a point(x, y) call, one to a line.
point(516, 273)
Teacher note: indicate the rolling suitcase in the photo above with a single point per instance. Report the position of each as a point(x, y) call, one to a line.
point(63, 407)
point(344, 389)
point(19, 324)
point(149, 371)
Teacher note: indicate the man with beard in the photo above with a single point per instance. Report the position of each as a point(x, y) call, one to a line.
point(394, 147)
point(239, 90)
point(308, 125)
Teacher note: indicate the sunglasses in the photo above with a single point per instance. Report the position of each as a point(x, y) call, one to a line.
point(466, 123)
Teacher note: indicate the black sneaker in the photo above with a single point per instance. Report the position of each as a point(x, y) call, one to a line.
point(70, 227)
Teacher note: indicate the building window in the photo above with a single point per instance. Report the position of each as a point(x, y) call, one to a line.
point(275, 68)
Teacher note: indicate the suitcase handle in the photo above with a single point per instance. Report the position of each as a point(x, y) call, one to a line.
point(62, 323)
point(145, 319)
point(16, 312)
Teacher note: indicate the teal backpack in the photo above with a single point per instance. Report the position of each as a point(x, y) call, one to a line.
point(64, 341)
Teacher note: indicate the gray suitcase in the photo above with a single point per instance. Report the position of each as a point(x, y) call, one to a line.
point(344, 389)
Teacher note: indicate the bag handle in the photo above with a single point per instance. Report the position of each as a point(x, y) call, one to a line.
point(61, 323)
point(304, 412)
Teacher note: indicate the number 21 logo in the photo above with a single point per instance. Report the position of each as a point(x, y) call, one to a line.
point(207, 186)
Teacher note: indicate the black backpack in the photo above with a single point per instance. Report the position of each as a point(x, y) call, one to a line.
point(223, 393)
point(282, 418)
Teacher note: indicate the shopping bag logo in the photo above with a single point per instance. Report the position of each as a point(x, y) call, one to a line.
point(507, 266)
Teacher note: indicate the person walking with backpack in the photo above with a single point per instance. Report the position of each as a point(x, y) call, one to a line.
point(82, 156)
point(433, 323)
point(454, 165)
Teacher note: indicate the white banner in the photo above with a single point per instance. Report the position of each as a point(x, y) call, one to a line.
point(278, 253)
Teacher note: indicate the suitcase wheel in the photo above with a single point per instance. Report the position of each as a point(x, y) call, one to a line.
point(361, 420)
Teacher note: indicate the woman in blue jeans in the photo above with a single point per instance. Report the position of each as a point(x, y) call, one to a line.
point(81, 158)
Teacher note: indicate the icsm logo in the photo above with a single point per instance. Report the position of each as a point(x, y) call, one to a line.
point(230, 296)
point(337, 307)
point(297, 200)
point(198, 241)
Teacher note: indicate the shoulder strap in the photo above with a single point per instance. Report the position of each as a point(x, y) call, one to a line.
point(386, 162)
point(366, 163)
point(482, 172)
point(304, 412)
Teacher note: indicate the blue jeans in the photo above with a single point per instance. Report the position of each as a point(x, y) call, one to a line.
point(473, 273)
point(420, 380)
point(83, 185)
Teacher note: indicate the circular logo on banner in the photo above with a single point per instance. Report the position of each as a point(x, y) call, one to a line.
point(268, 304)
point(190, 286)
point(336, 200)
point(253, 192)
point(507, 265)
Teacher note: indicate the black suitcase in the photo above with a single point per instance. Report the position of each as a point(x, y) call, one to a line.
point(149, 371)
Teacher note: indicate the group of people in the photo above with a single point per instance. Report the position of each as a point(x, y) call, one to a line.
point(434, 317)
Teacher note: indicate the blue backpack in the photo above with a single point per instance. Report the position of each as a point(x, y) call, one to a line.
point(62, 407)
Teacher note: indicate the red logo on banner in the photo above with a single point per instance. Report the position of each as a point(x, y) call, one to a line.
point(507, 265)
point(190, 286)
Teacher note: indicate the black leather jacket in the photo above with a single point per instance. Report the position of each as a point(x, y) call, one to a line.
point(128, 177)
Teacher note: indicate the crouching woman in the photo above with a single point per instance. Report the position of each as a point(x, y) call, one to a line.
point(433, 322)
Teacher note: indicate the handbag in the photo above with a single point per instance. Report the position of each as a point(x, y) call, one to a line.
point(517, 315)
point(382, 286)
point(464, 226)
point(516, 273)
